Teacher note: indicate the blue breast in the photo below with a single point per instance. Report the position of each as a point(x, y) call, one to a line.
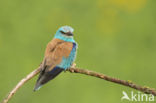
point(67, 62)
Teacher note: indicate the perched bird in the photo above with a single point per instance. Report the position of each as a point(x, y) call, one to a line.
point(59, 55)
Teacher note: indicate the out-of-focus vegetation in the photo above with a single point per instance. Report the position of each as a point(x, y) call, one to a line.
point(115, 37)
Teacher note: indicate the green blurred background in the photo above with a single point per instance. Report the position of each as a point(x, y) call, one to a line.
point(115, 37)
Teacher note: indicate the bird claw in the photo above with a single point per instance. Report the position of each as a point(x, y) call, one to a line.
point(73, 65)
point(70, 69)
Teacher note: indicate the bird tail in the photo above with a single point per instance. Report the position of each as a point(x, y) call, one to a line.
point(44, 77)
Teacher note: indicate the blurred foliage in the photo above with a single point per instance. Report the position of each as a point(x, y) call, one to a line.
point(116, 37)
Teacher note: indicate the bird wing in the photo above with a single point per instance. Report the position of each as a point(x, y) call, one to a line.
point(55, 51)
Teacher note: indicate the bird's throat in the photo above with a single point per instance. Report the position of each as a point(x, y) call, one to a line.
point(64, 38)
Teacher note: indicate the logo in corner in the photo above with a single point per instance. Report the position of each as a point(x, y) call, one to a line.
point(125, 96)
point(137, 96)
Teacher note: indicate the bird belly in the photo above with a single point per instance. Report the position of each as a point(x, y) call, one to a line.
point(67, 62)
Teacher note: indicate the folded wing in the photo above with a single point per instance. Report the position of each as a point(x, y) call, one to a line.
point(55, 52)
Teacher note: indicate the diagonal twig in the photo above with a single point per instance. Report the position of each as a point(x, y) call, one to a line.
point(130, 84)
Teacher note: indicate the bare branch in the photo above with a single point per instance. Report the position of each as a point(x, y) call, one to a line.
point(128, 83)
point(86, 72)
point(20, 84)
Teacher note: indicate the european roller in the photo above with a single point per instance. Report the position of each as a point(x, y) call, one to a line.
point(59, 55)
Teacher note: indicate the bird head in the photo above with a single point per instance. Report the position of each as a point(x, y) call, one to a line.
point(66, 30)
point(65, 33)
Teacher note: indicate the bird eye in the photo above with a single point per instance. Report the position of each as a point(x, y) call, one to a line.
point(62, 32)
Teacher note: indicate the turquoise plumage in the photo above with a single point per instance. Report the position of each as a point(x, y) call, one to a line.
point(59, 55)
point(65, 29)
point(67, 62)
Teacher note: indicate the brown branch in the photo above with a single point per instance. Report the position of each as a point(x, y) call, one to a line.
point(20, 84)
point(144, 89)
point(128, 83)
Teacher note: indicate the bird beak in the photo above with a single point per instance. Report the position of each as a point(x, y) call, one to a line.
point(70, 34)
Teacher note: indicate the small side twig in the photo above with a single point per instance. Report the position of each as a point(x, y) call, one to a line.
point(144, 89)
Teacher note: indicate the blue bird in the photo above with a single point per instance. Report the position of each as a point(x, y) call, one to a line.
point(59, 55)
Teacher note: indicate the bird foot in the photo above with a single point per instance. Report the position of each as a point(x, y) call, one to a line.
point(73, 65)
point(70, 69)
